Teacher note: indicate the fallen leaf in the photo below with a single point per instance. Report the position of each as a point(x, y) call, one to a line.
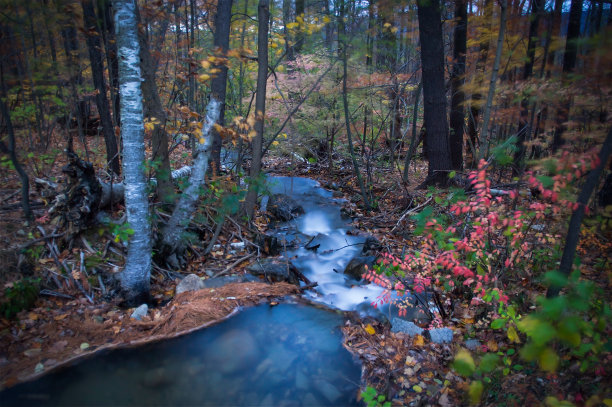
point(370, 329)
point(84, 345)
point(492, 345)
point(33, 316)
point(32, 352)
point(60, 317)
point(417, 388)
point(39, 368)
point(419, 340)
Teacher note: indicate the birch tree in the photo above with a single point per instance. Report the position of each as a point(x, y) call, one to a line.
point(136, 274)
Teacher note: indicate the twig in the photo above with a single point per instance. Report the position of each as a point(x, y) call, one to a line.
point(56, 294)
point(215, 236)
point(410, 211)
point(234, 264)
point(40, 239)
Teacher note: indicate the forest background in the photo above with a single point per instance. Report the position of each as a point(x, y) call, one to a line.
point(508, 99)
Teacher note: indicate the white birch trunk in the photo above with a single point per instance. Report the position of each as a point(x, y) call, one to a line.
point(184, 209)
point(136, 274)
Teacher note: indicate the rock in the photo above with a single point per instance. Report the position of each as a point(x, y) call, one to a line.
point(301, 381)
point(284, 208)
point(140, 312)
point(472, 344)
point(156, 377)
point(366, 310)
point(328, 390)
point(190, 283)
point(407, 327)
point(238, 343)
point(263, 206)
point(441, 335)
point(371, 244)
point(275, 270)
point(269, 244)
point(357, 266)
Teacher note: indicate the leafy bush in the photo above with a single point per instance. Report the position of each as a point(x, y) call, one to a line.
point(18, 296)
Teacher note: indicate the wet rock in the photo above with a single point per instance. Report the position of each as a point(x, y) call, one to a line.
point(284, 208)
point(357, 266)
point(310, 400)
point(281, 358)
point(156, 378)
point(140, 312)
point(366, 311)
point(215, 282)
point(328, 390)
point(472, 344)
point(269, 244)
point(371, 245)
point(237, 343)
point(275, 270)
point(407, 327)
point(190, 283)
point(301, 381)
point(441, 335)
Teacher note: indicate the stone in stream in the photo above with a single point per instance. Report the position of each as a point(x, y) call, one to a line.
point(328, 390)
point(215, 282)
point(407, 327)
point(371, 245)
point(275, 270)
point(238, 343)
point(156, 377)
point(441, 335)
point(357, 266)
point(140, 312)
point(190, 283)
point(284, 208)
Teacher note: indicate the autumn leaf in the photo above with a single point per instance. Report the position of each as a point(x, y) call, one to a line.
point(369, 329)
point(512, 335)
point(419, 340)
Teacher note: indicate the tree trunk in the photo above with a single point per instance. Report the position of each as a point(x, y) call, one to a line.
point(93, 44)
point(153, 109)
point(343, 43)
point(218, 85)
point(569, 63)
point(172, 242)
point(573, 230)
point(457, 96)
point(524, 133)
point(105, 10)
point(484, 141)
point(414, 142)
point(135, 277)
point(434, 92)
point(263, 16)
point(10, 151)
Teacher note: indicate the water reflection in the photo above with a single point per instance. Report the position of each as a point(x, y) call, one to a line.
point(288, 355)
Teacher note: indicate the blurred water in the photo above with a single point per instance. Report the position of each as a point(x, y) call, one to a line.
point(288, 355)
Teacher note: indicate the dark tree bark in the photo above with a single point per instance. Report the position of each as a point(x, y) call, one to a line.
point(10, 150)
point(97, 69)
point(218, 85)
point(434, 92)
point(524, 133)
point(153, 109)
point(105, 10)
point(457, 113)
point(263, 16)
point(573, 230)
point(569, 63)
point(299, 38)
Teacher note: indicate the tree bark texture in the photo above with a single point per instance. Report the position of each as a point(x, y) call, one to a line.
point(457, 113)
point(218, 85)
point(434, 92)
point(172, 241)
point(263, 16)
point(153, 109)
point(573, 230)
point(135, 278)
point(484, 136)
point(97, 69)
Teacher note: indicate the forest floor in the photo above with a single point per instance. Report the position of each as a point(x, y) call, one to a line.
point(64, 324)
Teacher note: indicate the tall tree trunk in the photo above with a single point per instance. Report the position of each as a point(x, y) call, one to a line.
point(263, 17)
point(569, 63)
point(218, 85)
point(414, 142)
point(153, 109)
point(135, 278)
point(573, 230)
point(299, 37)
point(457, 77)
point(10, 151)
point(434, 92)
point(105, 10)
point(97, 69)
point(343, 43)
point(524, 133)
point(484, 136)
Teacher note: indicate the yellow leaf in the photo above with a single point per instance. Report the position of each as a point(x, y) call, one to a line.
point(419, 340)
point(202, 140)
point(205, 64)
point(417, 388)
point(475, 391)
point(204, 77)
point(326, 19)
point(370, 329)
point(512, 335)
point(608, 402)
point(60, 317)
point(33, 316)
point(549, 360)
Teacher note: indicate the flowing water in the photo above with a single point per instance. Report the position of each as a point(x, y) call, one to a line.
point(288, 355)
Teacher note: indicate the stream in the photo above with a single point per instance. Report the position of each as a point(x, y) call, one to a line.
point(287, 355)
